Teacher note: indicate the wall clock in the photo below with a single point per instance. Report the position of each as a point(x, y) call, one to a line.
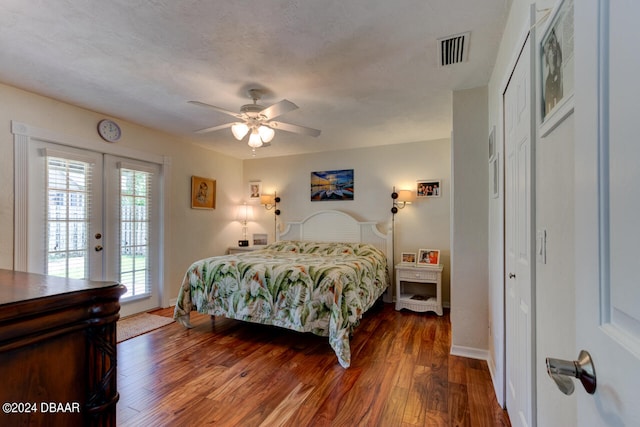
point(109, 130)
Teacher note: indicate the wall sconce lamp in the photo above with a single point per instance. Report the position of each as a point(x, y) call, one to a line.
point(401, 199)
point(244, 214)
point(271, 202)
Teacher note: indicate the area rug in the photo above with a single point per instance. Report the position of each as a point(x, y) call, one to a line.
point(139, 324)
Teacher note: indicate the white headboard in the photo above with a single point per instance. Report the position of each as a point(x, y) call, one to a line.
point(336, 226)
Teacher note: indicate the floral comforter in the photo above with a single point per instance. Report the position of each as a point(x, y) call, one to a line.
point(323, 288)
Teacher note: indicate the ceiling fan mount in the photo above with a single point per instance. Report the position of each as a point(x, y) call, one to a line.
point(257, 120)
point(255, 108)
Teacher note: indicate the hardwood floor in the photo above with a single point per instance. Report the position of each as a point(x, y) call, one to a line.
point(228, 373)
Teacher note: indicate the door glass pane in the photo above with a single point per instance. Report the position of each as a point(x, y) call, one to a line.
point(68, 213)
point(135, 204)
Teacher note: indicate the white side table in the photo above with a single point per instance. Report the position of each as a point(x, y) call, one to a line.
point(428, 275)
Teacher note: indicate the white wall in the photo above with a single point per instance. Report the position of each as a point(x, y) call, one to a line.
point(424, 224)
point(191, 234)
point(469, 275)
point(555, 319)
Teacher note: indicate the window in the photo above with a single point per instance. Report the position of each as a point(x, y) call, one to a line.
point(68, 189)
point(135, 218)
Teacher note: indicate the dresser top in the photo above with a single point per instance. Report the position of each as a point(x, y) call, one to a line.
point(16, 286)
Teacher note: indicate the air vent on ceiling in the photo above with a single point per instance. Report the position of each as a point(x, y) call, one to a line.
point(453, 49)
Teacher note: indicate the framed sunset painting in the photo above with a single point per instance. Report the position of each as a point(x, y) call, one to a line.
point(332, 185)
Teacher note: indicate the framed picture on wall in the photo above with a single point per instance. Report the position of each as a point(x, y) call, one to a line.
point(255, 190)
point(428, 188)
point(203, 193)
point(427, 257)
point(556, 67)
point(332, 185)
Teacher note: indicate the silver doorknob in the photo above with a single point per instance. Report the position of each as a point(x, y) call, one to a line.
point(98, 248)
point(511, 275)
point(562, 372)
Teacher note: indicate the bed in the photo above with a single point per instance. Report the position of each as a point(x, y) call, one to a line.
point(321, 276)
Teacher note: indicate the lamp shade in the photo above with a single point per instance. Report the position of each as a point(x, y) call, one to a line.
point(244, 213)
point(266, 133)
point(406, 196)
point(254, 139)
point(239, 130)
point(267, 199)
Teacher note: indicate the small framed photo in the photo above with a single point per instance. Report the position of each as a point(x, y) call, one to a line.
point(427, 257)
point(428, 188)
point(408, 258)
point(203, 193)
point(259, 239)
point(255, 190)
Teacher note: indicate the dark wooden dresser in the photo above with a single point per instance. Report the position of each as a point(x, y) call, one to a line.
point(57, 350)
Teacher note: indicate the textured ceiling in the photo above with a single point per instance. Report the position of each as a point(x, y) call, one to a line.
point(365, 72)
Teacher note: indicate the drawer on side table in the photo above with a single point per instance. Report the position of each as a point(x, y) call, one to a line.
point(417, 274)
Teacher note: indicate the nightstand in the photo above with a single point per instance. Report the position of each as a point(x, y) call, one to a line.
point(241, 249)
point(419, 277)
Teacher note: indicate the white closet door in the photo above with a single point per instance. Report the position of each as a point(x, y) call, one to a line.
point(519, 309)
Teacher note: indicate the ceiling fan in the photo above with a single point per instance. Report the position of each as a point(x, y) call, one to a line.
point(257, 121)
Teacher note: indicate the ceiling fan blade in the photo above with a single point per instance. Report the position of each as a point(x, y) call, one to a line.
point(278, 109)
point(222, 110)
point(288, 127)
point(214, 128)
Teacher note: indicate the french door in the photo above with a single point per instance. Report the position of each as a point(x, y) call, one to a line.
point(95, 216)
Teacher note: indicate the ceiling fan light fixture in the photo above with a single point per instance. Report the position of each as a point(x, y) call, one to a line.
point(266, 133)
point(254, 139)
point(239, 130)
point(258, 121)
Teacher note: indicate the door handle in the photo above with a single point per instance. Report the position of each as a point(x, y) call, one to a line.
point(511, 275)
point(562, 372)
point(98, 248)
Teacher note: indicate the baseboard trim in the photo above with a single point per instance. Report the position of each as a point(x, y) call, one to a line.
point(494, 381)
point(470, 352)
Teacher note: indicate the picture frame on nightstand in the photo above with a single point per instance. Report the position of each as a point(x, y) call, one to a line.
point(408, 258)
point(428, 257)
point(259, 239)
